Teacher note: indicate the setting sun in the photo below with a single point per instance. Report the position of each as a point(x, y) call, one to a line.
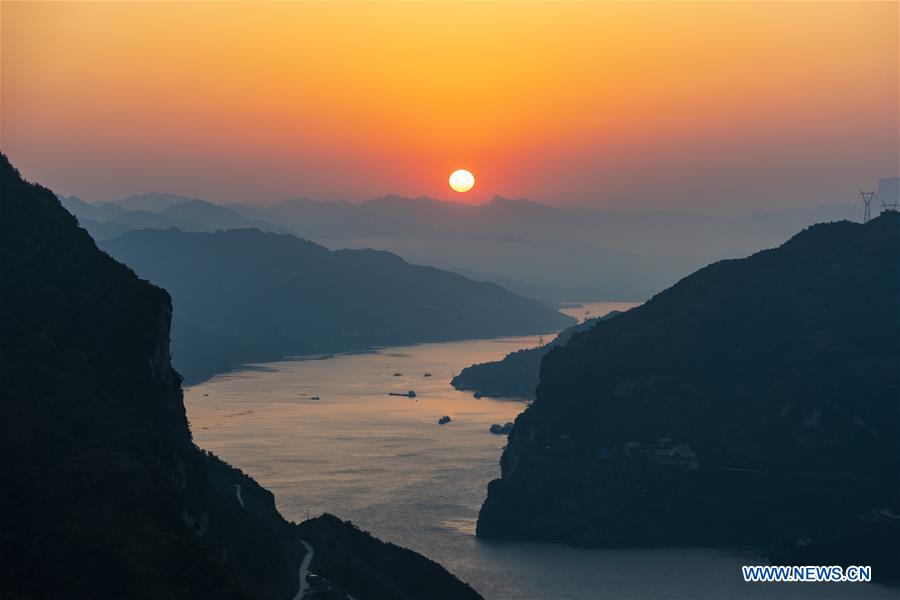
point(461, 180)
point(259, 333)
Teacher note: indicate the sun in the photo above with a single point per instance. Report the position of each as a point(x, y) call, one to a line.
point(461, 180)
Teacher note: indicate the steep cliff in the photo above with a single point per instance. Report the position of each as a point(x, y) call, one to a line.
point(753, 402)
point(104, 494)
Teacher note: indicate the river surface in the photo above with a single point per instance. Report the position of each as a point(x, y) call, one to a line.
point(384, 463)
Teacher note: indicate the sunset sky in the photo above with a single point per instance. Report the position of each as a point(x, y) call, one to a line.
point(725, 106)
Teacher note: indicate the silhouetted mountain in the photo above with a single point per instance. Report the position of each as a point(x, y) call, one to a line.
point(544, 252)
point(104, 493)
point(106, 220)
point(549, 250)
point(642, 234)
point(99, 212)
point(210, 217)
point(145, 219)
point(248, 296)
point(103, 230)
point(516, 374)
point(303, 215)
point(370, 567)
point(754, 401)
point(152, 201)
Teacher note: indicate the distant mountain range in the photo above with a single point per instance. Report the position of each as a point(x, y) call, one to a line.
point(106, 220)
point(244, 295)
point(548, 253)
point(754, 402)
point(105, 496)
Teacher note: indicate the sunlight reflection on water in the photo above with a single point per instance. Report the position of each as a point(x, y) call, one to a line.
point(384, 462)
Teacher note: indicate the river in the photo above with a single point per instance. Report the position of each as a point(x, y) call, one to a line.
point(384, 463)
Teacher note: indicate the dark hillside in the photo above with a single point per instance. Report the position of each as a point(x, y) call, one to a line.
point(516, 374)
point(248, 296)
point(756, 400)
point(104, 494)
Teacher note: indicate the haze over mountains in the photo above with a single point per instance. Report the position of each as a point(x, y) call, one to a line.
point(244, 295)
point(548, 253)
point(106, 220)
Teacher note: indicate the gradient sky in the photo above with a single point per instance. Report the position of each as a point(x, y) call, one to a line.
point(725, 106)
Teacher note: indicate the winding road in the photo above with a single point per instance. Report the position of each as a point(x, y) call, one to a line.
point(304, 565)
point(304, 571)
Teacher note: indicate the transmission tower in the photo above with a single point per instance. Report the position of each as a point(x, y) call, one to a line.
point(867, 198)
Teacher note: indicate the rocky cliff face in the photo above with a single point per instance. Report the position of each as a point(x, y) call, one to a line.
point(104, 493)
point(754, 401)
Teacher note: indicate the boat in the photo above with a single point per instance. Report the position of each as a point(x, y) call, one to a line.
point(444, 420)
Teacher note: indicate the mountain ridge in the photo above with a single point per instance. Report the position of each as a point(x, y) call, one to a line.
point(105, 494)
point(735, 407)
point(261, 296)
point(555, 252)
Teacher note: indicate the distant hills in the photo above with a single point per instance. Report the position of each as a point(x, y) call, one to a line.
point(754, 402)
point(105, 495)
point(106, 220)
point(542, 252)
point(244, 295)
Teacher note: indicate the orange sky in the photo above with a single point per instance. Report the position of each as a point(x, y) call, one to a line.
point(672, 105)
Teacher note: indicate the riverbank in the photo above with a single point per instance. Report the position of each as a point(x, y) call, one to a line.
point(384, 463)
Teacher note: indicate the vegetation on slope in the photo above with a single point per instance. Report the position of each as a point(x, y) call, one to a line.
point(753, 402)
